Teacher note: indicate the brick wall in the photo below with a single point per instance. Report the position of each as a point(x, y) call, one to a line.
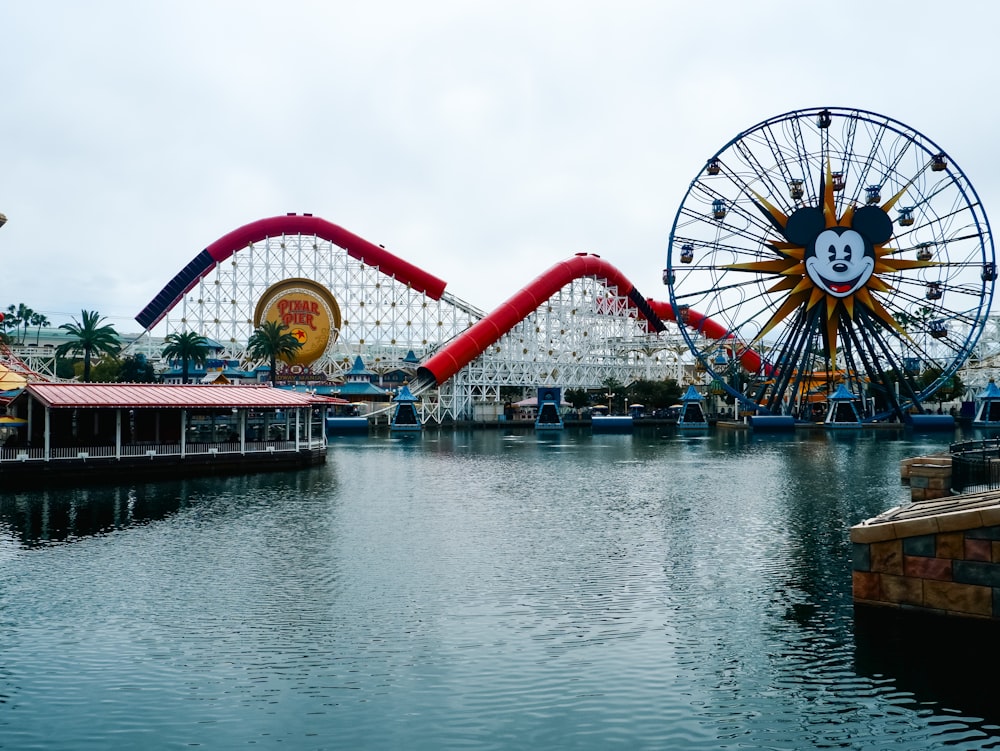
point(929, 477)
point(941, 562)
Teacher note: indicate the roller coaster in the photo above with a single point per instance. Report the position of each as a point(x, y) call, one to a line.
point(577, 325)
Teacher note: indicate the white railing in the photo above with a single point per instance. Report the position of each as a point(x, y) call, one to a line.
point(20, 454)
point(150, 449)
point(82, 452)
point(153, 450)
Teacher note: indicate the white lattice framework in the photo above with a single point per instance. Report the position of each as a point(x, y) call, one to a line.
point(582, 336)
point(382, 319)
point(34, 363)
point(983, 364)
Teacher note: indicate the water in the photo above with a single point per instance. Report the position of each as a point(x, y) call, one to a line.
point(471, 590)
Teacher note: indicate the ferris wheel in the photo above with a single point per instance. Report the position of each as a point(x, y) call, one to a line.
point(839, 245)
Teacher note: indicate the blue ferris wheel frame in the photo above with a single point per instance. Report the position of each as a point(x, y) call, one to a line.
point(750, 185)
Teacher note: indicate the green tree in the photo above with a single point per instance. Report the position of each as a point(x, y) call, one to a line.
point(17, 317)
point(917, 319)
point(8, 323)
point(64, 369)
point(614, 392)
point(107, 370)
point(951, 389)
point(188, 347)
point(39, 321)
point(136, 370)
point(511, 394)
point(578, 398)
point(89, 337)
point(655, 394)
point(270, 342)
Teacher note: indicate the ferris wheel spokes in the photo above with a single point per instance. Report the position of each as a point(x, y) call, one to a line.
point(892, 305)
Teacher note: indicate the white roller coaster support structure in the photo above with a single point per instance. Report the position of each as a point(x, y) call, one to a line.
point(582, 336)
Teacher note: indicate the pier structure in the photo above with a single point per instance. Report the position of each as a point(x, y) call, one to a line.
point(405, 418)
point(78, 431)
point(692, 415)
point(549, 416)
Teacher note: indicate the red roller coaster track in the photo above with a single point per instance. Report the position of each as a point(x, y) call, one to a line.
point(460, 351)
point(471, 343)
point(290, 224)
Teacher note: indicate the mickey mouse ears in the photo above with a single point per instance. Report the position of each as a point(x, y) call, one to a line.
point(805, 225)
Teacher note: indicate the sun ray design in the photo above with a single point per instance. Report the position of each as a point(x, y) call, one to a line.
point(818, 256)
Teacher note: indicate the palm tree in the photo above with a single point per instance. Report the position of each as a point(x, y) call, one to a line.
point(188, 347)
point(89, 337)
point(24, 315)
point(39, 321)
point(10, 321)
point(16, 316)
point(269, 342)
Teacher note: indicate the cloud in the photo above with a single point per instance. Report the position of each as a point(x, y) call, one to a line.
point(484, 143)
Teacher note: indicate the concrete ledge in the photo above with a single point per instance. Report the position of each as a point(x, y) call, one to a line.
point(927, 525)
point(906, 464)
point(960, 520)
point(872, 532)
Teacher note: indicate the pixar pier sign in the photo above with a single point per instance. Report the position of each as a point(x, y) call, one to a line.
point(299, 312)
point(308, 310)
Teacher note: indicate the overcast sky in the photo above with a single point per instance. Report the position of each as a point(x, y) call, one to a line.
point(481, 142)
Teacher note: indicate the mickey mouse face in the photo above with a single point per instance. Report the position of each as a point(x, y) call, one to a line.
point(839, 260)
point(840, 265)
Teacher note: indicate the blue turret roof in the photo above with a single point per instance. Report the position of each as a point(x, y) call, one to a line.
point(405, 395)
point(358, 388)
point(991, 392)
point(842, 395)
point(692, 395)
point(358, 369)
point(411, 358)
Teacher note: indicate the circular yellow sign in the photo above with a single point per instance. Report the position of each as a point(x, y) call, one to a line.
point(308, 310)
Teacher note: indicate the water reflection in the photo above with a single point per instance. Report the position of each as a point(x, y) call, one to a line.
point(489, 590)
point(49, 516)
point(44, 517)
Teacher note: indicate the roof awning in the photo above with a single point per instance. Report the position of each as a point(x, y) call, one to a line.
point(169, 396)
point(10, 380)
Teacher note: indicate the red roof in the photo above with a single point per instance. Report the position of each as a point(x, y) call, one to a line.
point(135, 395)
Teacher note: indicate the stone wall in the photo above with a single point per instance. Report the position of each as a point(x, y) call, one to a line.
point(939, 555)
point(929, 477)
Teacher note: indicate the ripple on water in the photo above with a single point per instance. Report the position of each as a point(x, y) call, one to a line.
point(464, 591)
